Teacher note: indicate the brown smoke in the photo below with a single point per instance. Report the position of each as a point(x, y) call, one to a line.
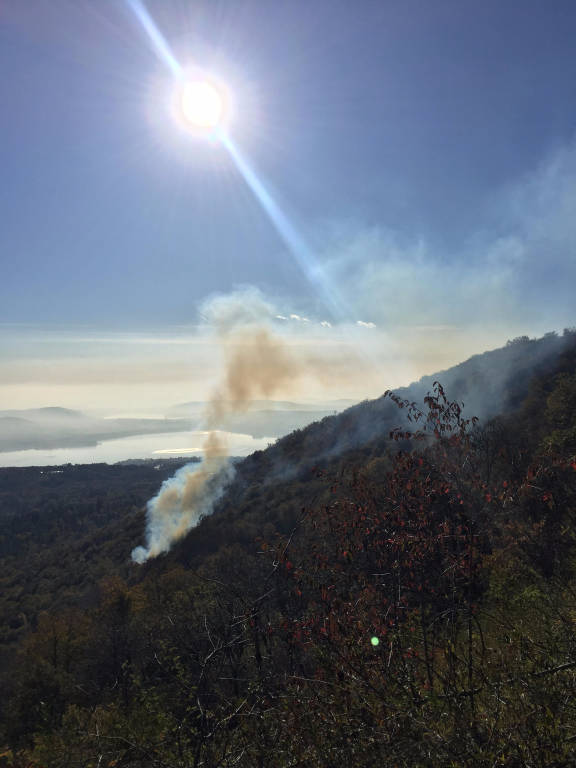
point(257, 364)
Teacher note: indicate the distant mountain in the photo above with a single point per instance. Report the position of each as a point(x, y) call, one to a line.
point(48, 428)
point(8, 421)
point(50, 412)
point(54, 427)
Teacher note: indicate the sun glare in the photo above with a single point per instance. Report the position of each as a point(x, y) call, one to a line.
point(202, 105)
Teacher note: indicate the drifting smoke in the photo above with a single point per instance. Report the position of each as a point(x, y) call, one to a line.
point(257, 364)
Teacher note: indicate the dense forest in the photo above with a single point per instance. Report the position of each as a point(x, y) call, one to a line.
point(391, 586)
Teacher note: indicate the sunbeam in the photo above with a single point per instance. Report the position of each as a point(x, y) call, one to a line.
point(290, 236)
point(155, 36)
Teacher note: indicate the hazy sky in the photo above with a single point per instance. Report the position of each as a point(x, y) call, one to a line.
point(424, 149)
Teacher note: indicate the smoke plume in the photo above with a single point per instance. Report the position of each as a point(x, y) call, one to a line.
point(258, 364)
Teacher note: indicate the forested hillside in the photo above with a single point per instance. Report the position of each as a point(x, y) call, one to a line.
point(393, 586)
point(64, 528)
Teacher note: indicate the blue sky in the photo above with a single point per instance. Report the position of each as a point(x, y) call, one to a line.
point(424, 150)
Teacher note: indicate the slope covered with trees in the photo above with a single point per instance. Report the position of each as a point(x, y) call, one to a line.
point(407, 602)
point(64, 528)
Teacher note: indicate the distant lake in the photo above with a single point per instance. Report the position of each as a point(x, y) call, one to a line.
point(163, 445)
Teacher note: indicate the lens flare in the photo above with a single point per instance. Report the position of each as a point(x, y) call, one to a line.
point(202, 105)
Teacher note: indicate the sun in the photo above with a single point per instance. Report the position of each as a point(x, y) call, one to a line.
point(203, 105)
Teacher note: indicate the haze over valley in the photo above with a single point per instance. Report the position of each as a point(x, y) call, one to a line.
point(55, 435)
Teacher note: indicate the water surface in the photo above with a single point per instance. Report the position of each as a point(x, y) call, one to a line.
point(163, 445)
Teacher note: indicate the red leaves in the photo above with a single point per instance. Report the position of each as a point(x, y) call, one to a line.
point(381, 558)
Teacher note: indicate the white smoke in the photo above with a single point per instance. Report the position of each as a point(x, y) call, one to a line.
point(184, 499)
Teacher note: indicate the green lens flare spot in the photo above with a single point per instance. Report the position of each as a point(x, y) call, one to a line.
point(375, 641)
